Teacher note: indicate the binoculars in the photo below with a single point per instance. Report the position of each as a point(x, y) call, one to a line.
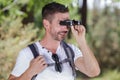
point(70, 23)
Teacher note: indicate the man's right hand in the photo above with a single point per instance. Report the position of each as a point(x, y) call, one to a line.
point(37, 65)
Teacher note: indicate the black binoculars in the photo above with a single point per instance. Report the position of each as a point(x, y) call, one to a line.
point(70, 23)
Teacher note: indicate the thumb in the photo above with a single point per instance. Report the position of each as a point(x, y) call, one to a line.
point(74, 31)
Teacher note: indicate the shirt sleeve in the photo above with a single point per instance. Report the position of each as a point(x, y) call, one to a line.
point(77, 52)
point(22, 62)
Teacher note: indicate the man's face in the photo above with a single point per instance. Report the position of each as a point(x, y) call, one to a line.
point(58, 32)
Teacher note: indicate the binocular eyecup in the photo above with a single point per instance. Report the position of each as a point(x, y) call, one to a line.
point(70, 23)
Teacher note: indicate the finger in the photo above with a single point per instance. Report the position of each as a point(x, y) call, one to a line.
point(75, 30)
point(44, 66)
point(39, 58)
point(42, 61)
point(83, 28)
point(80, 28)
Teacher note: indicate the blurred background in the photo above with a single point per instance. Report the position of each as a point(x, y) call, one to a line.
point(20, 25)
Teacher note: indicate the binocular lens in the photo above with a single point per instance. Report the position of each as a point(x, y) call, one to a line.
point(70, 23)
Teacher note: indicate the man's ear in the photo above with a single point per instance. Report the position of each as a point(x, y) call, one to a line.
point(46, 23)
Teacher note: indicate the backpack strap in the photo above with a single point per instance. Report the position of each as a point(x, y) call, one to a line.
point(33, 47)
point(70, 54)
point(68, 50)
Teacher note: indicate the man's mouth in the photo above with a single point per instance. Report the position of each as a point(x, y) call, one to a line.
point(63, 33)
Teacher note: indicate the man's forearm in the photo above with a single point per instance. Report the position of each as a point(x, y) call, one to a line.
point(27, 75)
point(89, 59)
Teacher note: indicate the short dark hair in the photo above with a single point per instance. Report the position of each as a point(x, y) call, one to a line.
point(52, 8)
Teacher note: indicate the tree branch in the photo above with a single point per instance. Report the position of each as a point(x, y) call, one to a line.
point(9, 6)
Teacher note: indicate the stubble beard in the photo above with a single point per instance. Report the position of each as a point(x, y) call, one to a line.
point(58, 36)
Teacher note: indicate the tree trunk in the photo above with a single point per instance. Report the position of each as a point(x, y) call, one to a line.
point(83, 12)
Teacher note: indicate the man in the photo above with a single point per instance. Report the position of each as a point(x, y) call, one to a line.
point(27, 66)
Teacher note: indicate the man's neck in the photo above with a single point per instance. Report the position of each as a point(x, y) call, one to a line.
point(49, 44)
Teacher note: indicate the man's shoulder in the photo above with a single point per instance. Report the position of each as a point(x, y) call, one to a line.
point(71, 45)
point(26, 50)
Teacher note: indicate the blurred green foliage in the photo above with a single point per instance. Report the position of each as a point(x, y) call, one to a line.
point(13, 36)
point(103, 34)
point(109, 75)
